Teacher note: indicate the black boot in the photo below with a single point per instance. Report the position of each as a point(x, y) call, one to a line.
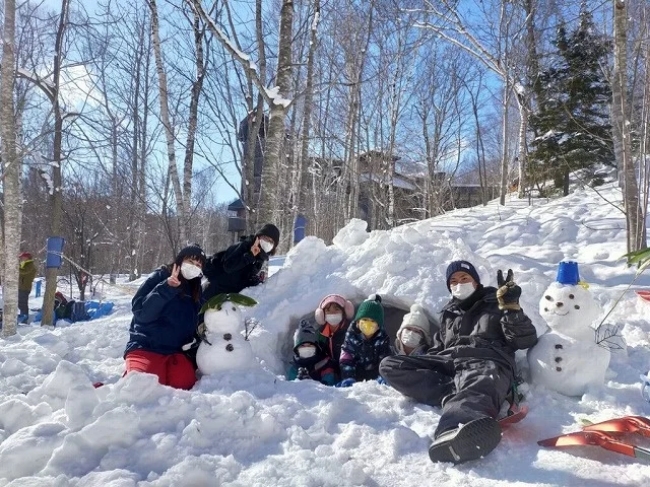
point(469, 442)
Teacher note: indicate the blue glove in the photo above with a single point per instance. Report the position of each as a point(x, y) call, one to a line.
point(382, 381)
point(346, 382)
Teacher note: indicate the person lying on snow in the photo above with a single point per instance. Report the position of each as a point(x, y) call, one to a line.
point(165, 317)
point(310, 360)
point(414, 334)
point(366, 344)
point(470, 368)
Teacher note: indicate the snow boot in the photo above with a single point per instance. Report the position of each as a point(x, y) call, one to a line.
point(469, 442)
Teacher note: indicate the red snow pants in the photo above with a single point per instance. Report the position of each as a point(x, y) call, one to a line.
point(174, 370)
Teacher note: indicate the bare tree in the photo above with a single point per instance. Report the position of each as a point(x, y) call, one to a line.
point(11, 168)
point(636, 228)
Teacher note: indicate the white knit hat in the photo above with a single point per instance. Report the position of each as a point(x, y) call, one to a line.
point(417, 318)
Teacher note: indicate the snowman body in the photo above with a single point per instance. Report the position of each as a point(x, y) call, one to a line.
point(224, 347)
point(567, 359)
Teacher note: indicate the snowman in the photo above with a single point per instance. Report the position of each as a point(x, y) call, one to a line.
point(567, 359)
point(223, 347)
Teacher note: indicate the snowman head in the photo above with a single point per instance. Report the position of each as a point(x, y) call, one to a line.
point(569, 310)
point(226, 318)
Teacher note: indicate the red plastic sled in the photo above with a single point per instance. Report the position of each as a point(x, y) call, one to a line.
point(645, 295)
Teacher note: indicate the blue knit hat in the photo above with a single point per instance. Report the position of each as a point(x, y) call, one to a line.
point(371, 308)
point(461, 266)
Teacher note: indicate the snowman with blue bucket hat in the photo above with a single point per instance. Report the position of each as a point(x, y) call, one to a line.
point(568, 359)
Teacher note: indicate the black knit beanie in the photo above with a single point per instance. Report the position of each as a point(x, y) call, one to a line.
point(271, 231)
point(462, 266)
point(193, 251)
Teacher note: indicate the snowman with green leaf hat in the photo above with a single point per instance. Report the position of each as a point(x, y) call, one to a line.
point(223, 346)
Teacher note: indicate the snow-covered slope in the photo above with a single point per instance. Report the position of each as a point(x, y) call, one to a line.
point(253, 428)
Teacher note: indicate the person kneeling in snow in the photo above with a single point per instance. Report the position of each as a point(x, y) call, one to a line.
point(310, 361)
point(165, 317)
point(333, 315)
point(414, 335)
point(366, 344)
point(470, 368)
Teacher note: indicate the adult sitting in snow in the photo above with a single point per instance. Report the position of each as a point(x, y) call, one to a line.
point(165, 317)
point(470, 368)
point(414, 334)
point(333, 315)
point(241, 265)
point(310, 360)
point(366, 344)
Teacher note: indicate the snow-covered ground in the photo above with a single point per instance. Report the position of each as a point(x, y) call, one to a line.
point(253, 428)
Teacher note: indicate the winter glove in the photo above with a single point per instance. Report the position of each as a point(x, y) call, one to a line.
point(382, 381)
point(508, 293)
point(303, 374)
point(346, 382)
point(328, 379)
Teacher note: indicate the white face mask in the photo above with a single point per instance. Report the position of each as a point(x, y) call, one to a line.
point(411, 338)
point(190, 271)
point(306, 352)
point(463, 290)
point(266, 246)
point(334, 319)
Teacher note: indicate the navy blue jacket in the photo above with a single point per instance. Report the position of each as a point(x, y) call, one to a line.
point(234, 269)
point(360, 356)
point(164, 318)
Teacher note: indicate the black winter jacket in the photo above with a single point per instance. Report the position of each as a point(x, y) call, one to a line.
point(234, 269)
point(164, 317)
point(476, 327)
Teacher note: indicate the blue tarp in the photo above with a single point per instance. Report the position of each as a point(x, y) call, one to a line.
point(93, 310)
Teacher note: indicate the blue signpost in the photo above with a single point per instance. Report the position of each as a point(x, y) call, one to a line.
point(299, 229)
point(54, 257)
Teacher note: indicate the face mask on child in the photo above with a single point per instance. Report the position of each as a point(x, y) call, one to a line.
point(306, 351)
point(411, 338)
point(334, 319)
point(368, 327)
point(463, 290)
point(190, 271)
point(266, 245)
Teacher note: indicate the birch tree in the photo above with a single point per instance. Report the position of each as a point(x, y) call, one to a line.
point(11, 169)
point(636, 228)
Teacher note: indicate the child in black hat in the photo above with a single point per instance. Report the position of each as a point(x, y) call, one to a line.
point(241, 265)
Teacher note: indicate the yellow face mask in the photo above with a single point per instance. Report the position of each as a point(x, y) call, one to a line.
point(368, 326)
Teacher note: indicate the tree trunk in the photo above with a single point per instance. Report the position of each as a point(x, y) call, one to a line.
point(56, 197)
point(182, 212)
point(11, 163)
point(197, 89)
point(504, 141)
point(636, 228)
point(275, 138)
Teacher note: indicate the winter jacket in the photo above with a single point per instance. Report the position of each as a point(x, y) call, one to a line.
point(234, 269)
point(26, 275)
point(164, 317)
point(333, 341)
point(477, 328)
point(320, 367)
point(360, 356)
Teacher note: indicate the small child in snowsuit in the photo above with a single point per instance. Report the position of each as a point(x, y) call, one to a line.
point(310, 361)
point(414, 335)
point(366, 344)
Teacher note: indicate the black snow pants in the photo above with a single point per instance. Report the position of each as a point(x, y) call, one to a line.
point(468, 388)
